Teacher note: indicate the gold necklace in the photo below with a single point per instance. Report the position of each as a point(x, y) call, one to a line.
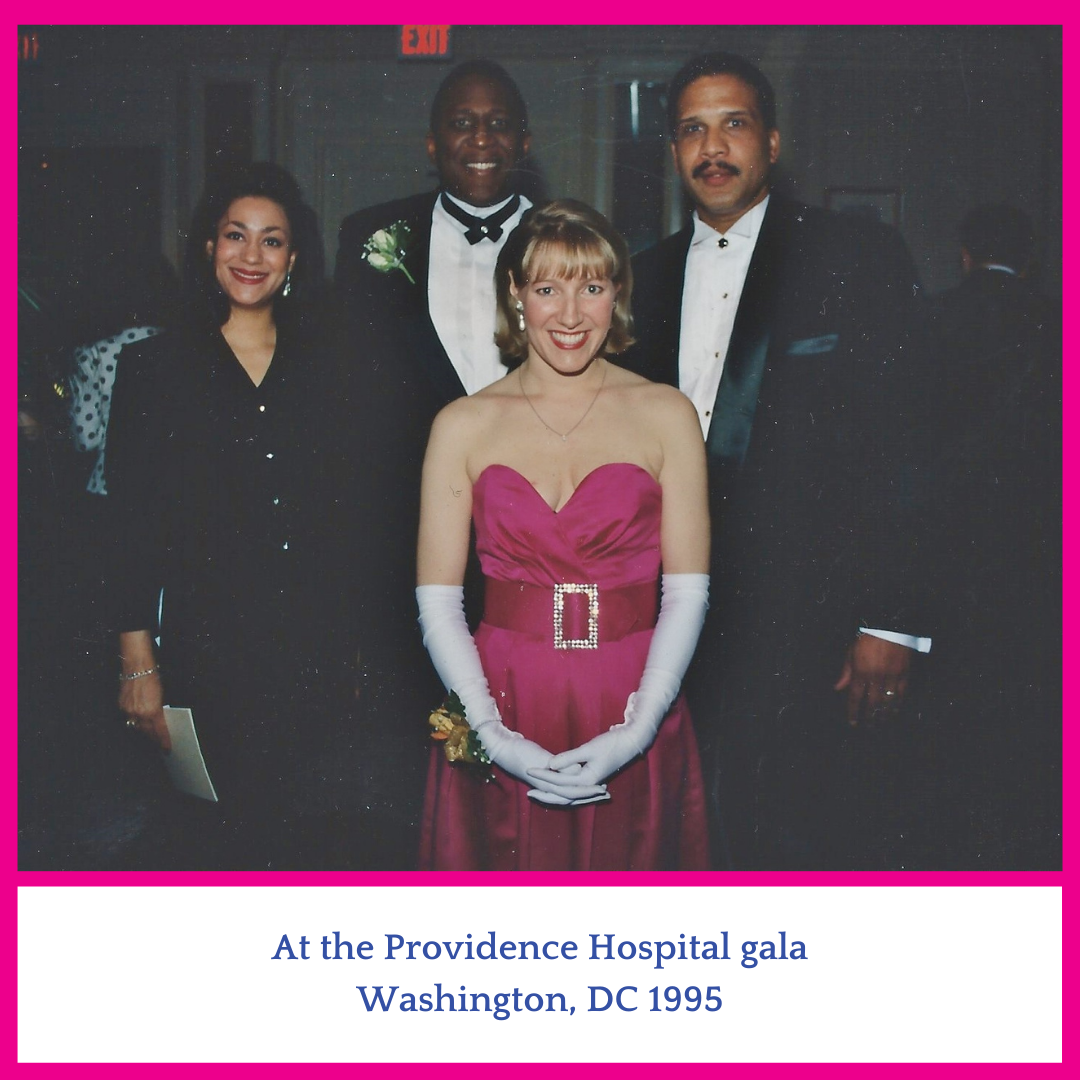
point(521, 383)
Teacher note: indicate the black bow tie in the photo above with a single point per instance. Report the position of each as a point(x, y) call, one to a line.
point(478, 228)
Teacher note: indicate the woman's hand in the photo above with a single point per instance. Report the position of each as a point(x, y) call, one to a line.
point(565, 783)
point(142, 699)
point(593, 762)
point(530, 763)
point(454, 654)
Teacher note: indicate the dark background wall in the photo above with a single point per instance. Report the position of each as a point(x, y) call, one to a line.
point(118, 125)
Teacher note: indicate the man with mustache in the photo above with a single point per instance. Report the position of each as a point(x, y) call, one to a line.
point(788, 327)
point(416, 295)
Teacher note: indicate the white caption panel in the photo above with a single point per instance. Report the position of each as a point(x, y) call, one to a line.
point(539, 974)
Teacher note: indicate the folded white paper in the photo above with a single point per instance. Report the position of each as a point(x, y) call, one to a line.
point(185, 763)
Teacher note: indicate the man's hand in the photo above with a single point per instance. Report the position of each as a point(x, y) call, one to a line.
point(875, 676)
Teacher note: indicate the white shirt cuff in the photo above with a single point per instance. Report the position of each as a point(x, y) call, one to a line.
point(919, 644)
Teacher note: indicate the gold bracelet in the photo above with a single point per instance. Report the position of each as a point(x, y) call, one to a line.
point(139, 674)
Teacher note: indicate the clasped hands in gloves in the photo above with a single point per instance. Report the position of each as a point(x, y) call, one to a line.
point(533, 765)
point(453, 652)
point(575, 776)
point(571, 777)
point(684, 599)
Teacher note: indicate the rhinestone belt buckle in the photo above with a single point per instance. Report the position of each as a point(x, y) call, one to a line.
point(590, 642)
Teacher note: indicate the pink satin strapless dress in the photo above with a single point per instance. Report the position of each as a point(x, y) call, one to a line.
point(607, 535)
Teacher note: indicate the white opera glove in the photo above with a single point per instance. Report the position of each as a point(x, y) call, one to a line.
point(572, 793)
point(683, 603)
point(454, 654)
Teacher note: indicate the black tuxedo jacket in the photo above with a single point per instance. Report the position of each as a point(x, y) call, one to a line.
point(400, 377)
point(391, 311)
point(812, 496)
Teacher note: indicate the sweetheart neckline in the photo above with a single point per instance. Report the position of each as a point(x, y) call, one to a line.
point(592, 472)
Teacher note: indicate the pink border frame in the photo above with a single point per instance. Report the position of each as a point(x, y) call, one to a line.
point(482, 12)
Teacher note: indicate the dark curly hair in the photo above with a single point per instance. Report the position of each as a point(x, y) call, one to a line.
point(261, 179)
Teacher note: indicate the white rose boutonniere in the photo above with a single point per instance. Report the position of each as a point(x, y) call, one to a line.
point(386, 249)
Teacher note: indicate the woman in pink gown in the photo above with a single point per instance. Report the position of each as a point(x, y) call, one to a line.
point(584, 483)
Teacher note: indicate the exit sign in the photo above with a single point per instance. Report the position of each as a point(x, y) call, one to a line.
point(29, 47)
point(424, 43)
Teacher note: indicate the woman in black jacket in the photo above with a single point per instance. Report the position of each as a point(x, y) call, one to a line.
point(230, 485)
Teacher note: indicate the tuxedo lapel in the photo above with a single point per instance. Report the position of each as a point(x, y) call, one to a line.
point(669, 301)
point(429, 350)
point(744, 366)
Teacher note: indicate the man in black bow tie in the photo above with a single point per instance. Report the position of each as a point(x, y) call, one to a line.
point(788, 329)
point(437, 311)
point(415, 287)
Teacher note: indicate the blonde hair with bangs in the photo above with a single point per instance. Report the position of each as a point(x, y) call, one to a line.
point(561, 240)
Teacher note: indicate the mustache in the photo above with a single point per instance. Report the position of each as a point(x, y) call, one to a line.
point(705, 166)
